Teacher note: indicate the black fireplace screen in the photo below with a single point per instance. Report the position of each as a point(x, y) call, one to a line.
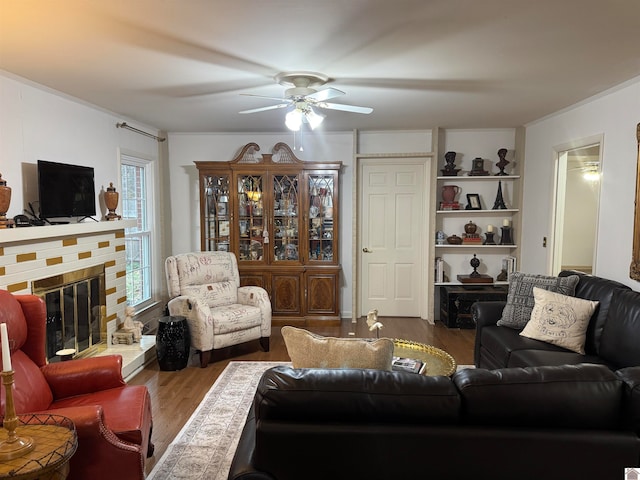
point(75, 310)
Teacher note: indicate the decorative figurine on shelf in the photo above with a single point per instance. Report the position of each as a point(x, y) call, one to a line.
point(131, 325)
point(502, 276)
point(450, 169)
point(499, 203)
point(475, 276)
point(477, 169)
point(502, 153)
point(475, 263)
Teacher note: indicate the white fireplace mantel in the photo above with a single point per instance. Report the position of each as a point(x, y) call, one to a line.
point(33, 234)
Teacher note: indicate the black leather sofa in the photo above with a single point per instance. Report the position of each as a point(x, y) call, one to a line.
point(613, 335)
point(558, 423)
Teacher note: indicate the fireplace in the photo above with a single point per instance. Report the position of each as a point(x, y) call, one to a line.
point(30, 255)
point(76, 311)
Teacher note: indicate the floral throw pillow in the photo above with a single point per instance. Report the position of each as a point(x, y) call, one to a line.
point(520, 301)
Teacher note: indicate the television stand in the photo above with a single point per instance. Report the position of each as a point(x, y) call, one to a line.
point(87, 216)
point(57, 222)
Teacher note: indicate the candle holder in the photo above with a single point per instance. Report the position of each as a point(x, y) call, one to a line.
point(14, 446)
point(506, 238)
point(489, 238)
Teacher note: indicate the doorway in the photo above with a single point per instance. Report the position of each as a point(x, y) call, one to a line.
point(392, 233)
point(577, 202)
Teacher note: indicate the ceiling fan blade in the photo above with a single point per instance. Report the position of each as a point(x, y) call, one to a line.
point(326, 94)
point(345, 108)
point(264, 109)
point(264, 96)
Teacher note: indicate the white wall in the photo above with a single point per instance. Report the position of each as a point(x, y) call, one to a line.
point(615, 115)
point(40, 124)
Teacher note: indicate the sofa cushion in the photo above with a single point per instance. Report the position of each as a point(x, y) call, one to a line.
point(129, 423)
point(569, 396)
point(234, 317)
point(355, 396)
point(503, 342)
point(631, 378)
point(520, 299)
point(559, 319)
point(31, 391)
point(601, 289)
point(620, 342)
point(214, 294)
point(539, 358)
point(308, 350)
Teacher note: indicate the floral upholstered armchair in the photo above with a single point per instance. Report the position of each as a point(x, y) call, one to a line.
point(204, 287)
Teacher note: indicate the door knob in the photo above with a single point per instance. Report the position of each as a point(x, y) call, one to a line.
point(366, 250)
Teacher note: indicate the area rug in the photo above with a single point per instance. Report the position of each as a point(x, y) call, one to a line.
point(205, 446)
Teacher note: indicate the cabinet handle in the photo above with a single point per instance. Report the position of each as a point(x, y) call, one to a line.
point(366, 250)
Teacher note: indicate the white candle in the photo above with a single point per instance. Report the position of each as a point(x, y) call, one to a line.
point(505, 222)
point(6, 353)
point(489, 228)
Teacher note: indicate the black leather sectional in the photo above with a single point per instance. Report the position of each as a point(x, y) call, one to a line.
point(558, 423)
point(613, 335)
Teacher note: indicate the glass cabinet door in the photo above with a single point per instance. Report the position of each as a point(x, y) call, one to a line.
point(250, 223)
point(286, 241)
point(216, 216)
point(321, 197)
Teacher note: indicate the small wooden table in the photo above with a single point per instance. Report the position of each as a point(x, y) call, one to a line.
point(55, 440)
point(437, 360)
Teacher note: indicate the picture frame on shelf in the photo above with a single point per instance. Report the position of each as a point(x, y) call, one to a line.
point(224, 228)
point(473, 201)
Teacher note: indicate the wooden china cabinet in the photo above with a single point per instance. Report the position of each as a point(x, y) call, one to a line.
point(279, 215)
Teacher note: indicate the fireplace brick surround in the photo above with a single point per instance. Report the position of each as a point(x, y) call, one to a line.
point(33, 253)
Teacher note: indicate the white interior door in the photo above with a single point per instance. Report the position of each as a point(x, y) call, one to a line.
point(392, 240)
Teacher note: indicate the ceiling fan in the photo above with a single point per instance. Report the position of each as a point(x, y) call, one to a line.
point(303, 97)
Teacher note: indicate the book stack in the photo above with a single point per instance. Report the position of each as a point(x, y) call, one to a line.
point(439, 270)
point(509, 264)
point(450, 206)
point(471, 239)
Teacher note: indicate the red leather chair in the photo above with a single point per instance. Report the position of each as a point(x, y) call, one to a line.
point(113, 419)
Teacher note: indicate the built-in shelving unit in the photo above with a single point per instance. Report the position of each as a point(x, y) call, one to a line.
point(492, 215)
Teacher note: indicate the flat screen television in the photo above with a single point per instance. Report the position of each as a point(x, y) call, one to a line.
point(65, 190)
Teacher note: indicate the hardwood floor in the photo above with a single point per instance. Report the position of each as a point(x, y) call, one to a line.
point(175, 395)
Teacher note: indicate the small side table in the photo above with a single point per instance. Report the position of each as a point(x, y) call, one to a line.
point(55, 441)
point(172, 343)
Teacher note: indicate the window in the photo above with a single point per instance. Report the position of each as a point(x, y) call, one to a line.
point(136, 175)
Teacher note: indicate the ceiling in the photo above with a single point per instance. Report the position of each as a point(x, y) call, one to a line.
point(180, 65)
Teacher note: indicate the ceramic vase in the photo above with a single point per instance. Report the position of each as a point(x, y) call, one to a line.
point(111, 201)
point(5, 200)
point(449, 193)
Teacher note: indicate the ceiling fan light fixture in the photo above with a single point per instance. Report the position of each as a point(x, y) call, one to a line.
point(314, 119)
point(293, 120)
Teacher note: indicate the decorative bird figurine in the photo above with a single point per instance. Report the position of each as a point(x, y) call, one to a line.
point(373, 323)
